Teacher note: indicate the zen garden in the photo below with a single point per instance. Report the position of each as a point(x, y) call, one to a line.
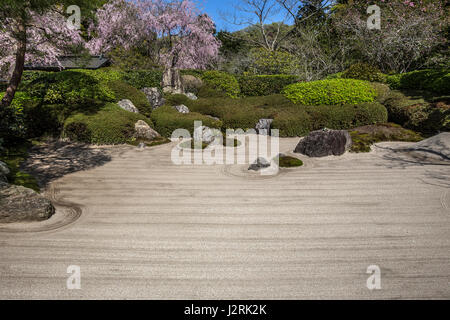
point(261, 149)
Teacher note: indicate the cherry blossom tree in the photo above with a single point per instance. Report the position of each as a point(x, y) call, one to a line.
point(33, 31)
point(183, 37)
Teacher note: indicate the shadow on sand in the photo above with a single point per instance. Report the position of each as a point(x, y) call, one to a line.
point(55, 159)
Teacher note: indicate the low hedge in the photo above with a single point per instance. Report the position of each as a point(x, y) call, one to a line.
point(364, 71)
point(346, 116)
point(222, 82)
point(109, 125)
point(289, 118)
point(73, 87)
point(123, 90)
point(437, 81)
point(264, 85)
point(167, 119)
point(294, 123)
point(330, 92)
point(143, 78)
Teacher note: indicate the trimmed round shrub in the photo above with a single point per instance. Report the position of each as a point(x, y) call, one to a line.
point(222, 82)
point(123, 90)
point(109, 125)
point(364, 71)
point(330, 92)
point(78, 131)
point(264, 85)
point(167, 120)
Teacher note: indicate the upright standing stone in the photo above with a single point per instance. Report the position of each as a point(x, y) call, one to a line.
point(171, 81)
point(263, 126)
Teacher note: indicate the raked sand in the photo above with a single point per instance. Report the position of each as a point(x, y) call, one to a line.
point(146, 228)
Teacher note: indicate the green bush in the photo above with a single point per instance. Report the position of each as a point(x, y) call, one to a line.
point(364, 71)
point(73, 87)
point(123, 90)
point(289, 118)
point(109, 125)
point(294, 123)
point(393, 81)
point(192, 72)
point(223, 82)
point(264, 61)
point(130, 59)
point(382, 91)
point(437, 81)
point(346, 116)
point(264, 85)
point(143, 78)
point(330, 92)
point(417, 114)
point(167, 119)
point(13, 123)
point(337, 75)
point(208, 91)
point(176, 99)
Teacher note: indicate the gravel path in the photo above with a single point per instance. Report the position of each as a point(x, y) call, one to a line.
point(151, 229)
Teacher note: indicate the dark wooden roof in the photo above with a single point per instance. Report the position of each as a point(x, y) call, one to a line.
point(73, 62)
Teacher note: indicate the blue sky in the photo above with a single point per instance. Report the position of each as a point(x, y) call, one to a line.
point(213, 9)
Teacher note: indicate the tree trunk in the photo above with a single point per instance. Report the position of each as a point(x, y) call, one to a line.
point(18, 68)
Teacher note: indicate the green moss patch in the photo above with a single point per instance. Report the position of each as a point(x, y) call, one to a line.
point(289, 162)
point(149, 143)
point(364, 137)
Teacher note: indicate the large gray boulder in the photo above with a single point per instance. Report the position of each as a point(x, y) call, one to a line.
point(181, 108)
point(4, 171)
point(263, 126)
point(18, 203)
point(324, 142)
point(127, 105)
point(143, 131)
point(154, 97)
